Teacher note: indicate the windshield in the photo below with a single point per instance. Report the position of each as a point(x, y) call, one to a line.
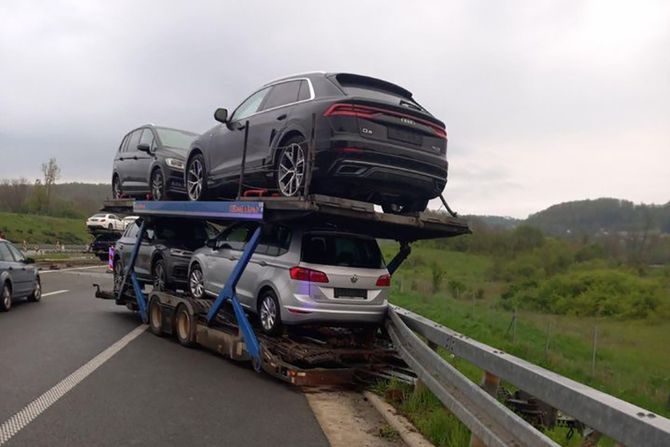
point(342, 250)
point(176, 138)
point(99, 215)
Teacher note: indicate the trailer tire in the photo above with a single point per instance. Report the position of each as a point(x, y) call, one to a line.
point(185, 327)
point(155, 317)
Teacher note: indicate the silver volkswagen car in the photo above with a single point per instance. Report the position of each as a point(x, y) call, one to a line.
point(297, 275)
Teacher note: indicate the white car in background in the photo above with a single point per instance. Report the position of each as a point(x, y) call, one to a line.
point(129, 220)
point(108, 221)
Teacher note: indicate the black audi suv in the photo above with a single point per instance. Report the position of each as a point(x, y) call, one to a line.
point(164, 252)
point(150, 163)
point(372, 141)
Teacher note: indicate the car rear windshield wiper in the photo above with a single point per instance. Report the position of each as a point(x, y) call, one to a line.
point(411, 104)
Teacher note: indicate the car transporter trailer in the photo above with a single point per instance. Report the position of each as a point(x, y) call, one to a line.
point(303, 355)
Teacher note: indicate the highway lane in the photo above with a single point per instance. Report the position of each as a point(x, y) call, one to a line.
point(150, 392)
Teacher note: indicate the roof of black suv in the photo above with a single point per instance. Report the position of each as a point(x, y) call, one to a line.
point(346, 78)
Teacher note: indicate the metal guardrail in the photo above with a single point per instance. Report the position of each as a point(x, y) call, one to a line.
point(620, 420)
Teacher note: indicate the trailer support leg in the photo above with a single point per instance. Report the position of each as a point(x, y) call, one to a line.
point(228, 293)
point(398, 259)
point(130, 271)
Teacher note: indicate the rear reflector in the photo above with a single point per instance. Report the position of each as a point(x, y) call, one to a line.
point(298, 311)
point(384, 281)
point(305, 274)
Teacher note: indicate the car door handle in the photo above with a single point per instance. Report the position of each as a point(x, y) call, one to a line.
point(262, 263)
point(135, 157)
point(281, 117)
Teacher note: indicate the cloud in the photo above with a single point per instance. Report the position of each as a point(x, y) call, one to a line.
point(544, 101)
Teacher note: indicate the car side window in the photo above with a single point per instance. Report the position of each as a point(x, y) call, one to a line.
point(124, 144)
point(282, 94)
point(276, 242)
point(148, 139)
point(18, 256)
point(250, 105)
point(133, 141)
point(131, 231)
point(236, 237)
point(304, 93)
point(5, 254)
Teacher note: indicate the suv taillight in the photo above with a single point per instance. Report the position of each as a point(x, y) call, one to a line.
point(305, 274)
point(384, 281)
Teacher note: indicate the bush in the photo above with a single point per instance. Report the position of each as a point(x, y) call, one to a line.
point(589, 293)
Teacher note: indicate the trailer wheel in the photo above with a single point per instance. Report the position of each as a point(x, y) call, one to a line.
point(185, 327)
point(155, 317)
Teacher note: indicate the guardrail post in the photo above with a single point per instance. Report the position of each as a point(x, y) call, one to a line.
point(419, 385)
point(490, 384)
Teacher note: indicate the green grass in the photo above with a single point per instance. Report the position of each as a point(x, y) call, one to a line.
point(631, 362)
point(36, 229)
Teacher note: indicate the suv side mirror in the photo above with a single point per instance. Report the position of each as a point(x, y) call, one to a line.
point(221, 115)
point(29, 260)
point(144, 147)
point(211, 243)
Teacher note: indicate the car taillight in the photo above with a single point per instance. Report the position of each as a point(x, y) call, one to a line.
point(350, 110)
point(305, 274)
point(344, 109)
point(384, 281)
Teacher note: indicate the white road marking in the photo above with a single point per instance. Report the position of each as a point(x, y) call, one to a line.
point(55, 292)
point(16, 423)
point(73, 268)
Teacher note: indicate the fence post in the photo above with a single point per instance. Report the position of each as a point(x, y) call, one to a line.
point(490, 384)
point(595, 349)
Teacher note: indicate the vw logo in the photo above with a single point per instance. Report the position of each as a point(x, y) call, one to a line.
point(354, 278)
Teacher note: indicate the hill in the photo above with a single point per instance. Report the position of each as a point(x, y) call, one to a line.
point(601, 216)
point(36, 229)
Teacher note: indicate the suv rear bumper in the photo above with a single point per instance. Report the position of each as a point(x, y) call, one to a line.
point(366, 170)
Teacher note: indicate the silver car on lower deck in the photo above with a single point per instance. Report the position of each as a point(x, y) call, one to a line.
point(297, 275)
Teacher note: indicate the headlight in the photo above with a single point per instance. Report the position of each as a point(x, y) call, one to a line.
point(175, 163)
point(180, 253)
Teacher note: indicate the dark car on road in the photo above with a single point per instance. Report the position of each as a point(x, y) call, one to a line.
point(373, 142)
point(150, 163)
point(18, 276)
point(164, 253)
point(101, 243)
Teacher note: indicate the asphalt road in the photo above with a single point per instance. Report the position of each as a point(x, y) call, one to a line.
point(151, 392)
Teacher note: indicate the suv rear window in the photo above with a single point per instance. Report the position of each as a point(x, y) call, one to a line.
point(341, 250)
point(376, 89)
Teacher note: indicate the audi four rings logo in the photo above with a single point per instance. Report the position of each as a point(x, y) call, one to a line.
point(354, 278)
point(407, 121)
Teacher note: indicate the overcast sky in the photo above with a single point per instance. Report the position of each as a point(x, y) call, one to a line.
point(544, 101)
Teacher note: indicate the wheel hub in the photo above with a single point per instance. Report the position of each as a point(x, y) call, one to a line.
point(268, 314)
point(194, 180)
point(291, 170)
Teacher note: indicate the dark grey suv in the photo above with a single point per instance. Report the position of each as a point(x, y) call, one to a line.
point(18, 277)
point(373, 142)
point(150, 163)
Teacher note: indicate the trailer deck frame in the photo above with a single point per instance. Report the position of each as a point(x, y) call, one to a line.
point(300, 360)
